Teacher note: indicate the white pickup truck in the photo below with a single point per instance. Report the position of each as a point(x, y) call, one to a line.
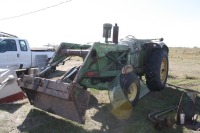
point(16, 53)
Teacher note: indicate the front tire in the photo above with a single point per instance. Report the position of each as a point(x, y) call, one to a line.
point(131, 86)
point(157, 70)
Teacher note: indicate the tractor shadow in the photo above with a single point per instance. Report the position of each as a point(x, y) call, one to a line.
point(40, 121)
point(138, 121)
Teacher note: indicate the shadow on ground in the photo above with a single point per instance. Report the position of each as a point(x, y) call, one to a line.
point(11, 107)
point(39, 121)
point(139, 122)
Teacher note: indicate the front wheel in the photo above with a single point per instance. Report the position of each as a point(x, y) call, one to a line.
point(131, 86)
point(157, 70)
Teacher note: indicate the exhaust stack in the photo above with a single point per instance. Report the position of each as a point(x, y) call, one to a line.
point(115, 33)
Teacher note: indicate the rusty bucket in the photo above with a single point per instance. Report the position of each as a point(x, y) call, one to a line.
point(66, 100)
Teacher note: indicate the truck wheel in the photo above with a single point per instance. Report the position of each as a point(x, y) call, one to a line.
point(157, 70)
point(131, 86)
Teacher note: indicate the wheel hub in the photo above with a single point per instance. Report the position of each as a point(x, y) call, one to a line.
point(132, 92)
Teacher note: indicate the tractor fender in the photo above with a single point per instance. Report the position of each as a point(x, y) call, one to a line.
point(163, 46)
point(151, 46)
point(156, 45)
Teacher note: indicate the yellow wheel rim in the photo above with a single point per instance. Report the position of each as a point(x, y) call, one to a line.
point(132, 92)
point(163, 70)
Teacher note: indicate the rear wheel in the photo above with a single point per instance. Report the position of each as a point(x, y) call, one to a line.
point(131, 85)
point(157, 70)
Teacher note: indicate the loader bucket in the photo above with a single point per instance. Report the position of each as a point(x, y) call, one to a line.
point(120, 106)
point(66, 100)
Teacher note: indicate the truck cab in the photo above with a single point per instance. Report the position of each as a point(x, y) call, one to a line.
point(16, 53)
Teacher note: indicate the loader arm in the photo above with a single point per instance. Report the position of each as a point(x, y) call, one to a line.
point(64, 99)
point(65, 50)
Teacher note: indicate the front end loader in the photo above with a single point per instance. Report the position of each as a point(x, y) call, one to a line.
point(118, 67)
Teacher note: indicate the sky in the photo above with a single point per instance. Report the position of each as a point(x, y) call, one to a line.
point(81, 21)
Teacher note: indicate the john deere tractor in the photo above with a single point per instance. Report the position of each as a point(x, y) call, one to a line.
point(122, 67)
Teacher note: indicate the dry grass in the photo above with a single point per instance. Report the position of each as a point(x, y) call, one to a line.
point(184, 71)
point(184, 68)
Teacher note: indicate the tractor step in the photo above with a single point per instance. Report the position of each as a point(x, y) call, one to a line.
point(66, 100)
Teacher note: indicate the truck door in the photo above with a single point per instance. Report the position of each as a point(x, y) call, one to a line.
point(9, 54)
point(24, 54)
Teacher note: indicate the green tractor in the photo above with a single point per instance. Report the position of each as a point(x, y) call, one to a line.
point(118, 67)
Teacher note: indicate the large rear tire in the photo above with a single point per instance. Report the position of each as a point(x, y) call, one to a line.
point(131, 86)
point(157, 70)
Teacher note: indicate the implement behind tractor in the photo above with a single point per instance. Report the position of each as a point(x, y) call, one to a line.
point(118, 67)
